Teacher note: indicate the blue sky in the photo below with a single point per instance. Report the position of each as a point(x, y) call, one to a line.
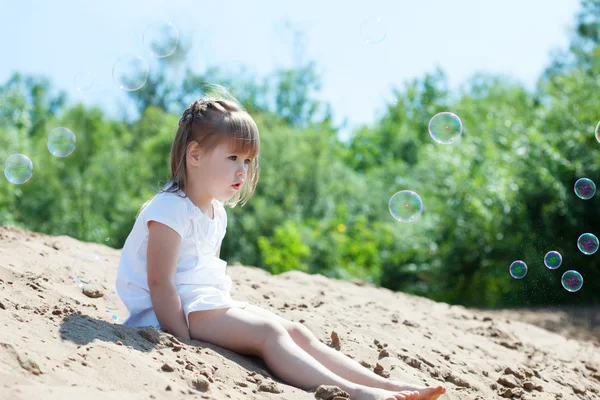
point(514, 37)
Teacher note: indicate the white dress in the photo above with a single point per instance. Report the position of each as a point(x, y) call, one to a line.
point(200, 278)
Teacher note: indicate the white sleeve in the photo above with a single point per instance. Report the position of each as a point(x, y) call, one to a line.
point(169, 210)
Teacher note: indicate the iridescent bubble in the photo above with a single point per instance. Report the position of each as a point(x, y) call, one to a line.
point(84, 80)
point(585, 188)
point(598, 132)
point(587, 243)
point(445, 127)
point(372, 30)
point(130, 72)
point(572, 281)
point(161, 39)
point(61, 142)
point(89, 272)
point(18, 168)
point(553, 259)
point(113, 308)
point(406, 206)
point(518, 269)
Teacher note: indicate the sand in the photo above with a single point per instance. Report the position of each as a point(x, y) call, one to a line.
point(58, 343)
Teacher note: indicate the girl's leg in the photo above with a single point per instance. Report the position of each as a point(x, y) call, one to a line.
point(242, 332)
point(339, 363)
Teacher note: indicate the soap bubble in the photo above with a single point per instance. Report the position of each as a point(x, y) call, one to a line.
point(18, 168)
point(89, 272)
point(445, 128)
point(518, 269)
point(553, 259)
point(585, 188)
point(161, 39)
point(587, 243)
point(84, 81)
point(572, 281)
point(372, 30)
point(61, 142)
point(406, 206)
point(113, 307)
point(130, 72)
point(598, 132)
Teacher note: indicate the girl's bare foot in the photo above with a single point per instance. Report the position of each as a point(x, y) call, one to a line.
point(425, 393)
point(369, 393)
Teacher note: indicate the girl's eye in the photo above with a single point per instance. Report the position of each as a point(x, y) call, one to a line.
point(246, 161)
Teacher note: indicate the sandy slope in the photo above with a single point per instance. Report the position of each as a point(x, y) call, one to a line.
point(58, 343)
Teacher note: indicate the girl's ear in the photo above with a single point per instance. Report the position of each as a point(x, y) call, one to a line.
point(193, 153)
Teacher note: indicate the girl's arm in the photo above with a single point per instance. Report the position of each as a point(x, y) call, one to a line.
point(163, 251)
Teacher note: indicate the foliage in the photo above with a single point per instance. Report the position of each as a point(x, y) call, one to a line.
point(503, 192)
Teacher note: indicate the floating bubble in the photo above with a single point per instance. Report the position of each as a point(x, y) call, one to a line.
point(130, 72)
point(161, 39)
point(372, 30)
point(61, 142)
point(598, 132)
point(84, 80)
point(112, 307)
point(553, 259)
point(406, 206)
point(89, 272)
point(587, 243)
point(572, 281)
point(445, 127)
point(18, 168)
point(518, 269)
point(585, 188)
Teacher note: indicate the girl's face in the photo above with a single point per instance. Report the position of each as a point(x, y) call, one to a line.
point(221, 172)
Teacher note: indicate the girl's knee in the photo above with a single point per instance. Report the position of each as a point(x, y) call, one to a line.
point(272, 331)
point(300, 333)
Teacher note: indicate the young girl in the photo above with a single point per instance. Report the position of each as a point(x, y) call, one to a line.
point(170, 274)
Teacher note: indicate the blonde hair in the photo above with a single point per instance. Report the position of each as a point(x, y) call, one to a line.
point(211, 121)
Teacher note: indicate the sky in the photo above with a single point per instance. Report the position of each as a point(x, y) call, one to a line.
point(62, 38)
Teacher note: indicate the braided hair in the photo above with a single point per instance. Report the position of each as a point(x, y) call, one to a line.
point(210, 121)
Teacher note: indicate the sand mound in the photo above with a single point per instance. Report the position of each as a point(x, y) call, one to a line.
point(58, 343)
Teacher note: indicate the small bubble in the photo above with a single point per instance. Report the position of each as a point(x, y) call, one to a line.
point(587, 243)
point(597, 132)
point(89, 271)
point(553, 259)
point(130, 72)
point(585, 188)
point(518, 269)
point(84, 81)
point(372, 30)
point(112, 306)
point(161, 39)
point(61, 142)
point(18, 169)
point(445, 128)
point(406, 206)
point(572, 281)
